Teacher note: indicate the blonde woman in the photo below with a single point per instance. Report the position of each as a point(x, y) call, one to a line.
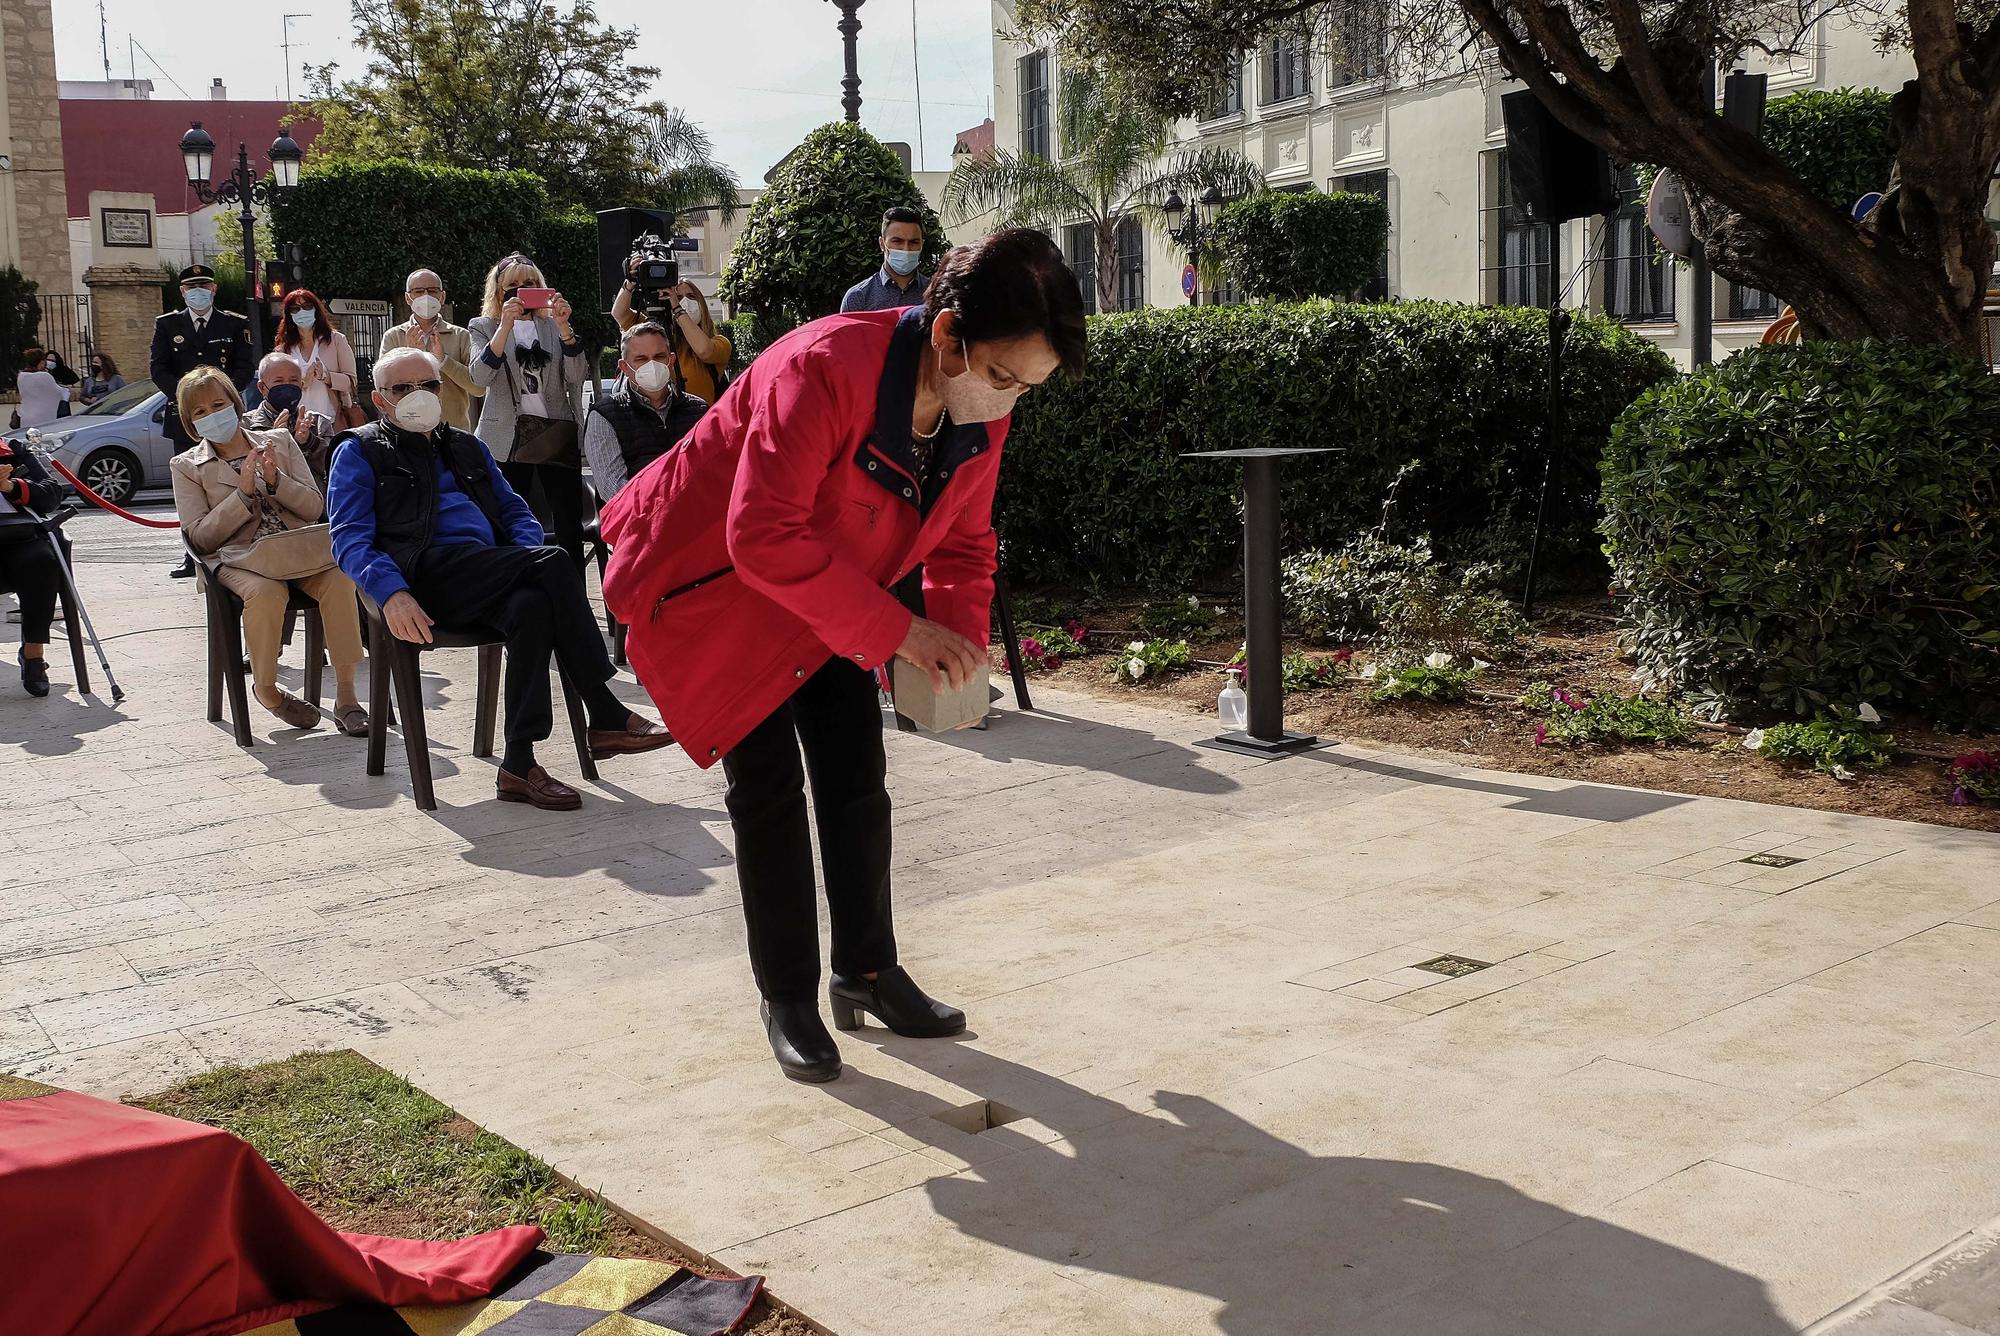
point(237, 491)
point(530, 365)
point(701, 355)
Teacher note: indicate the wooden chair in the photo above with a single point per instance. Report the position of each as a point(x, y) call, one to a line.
point(225, 647)
point(393, 665)
point(65, 595)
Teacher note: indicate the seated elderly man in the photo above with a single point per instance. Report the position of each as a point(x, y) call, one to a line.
point(281, 383)
point(426, 526)
point(642, 416)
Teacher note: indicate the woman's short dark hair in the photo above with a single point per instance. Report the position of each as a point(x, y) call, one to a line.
point(1009, 285)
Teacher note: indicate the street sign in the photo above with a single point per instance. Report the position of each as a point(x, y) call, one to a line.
point(357, 306)
point(1866, 204)
point(1187, 281)
point(1667, 215)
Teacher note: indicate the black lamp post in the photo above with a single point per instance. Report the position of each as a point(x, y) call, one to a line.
point(242, 187)
point(1192, 230)
point(850, 28)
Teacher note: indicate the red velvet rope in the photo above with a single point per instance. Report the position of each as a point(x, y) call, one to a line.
point(84, 487)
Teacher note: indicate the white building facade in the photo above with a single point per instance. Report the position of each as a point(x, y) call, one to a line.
point(1437, 153)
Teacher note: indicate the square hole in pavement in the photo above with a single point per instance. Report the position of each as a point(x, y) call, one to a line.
point(980, 1116)
point(1770, 860)
point(1452, 967)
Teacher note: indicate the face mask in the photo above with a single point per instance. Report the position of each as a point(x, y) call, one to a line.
point(651, 377)
point(419, 412)
point(970, 398)
point(199, 299)
point(283, 398)
point(306, 318)
point(510, 294)
point(51, 364)
point(217, 427)
point(905, 262)
point(426, 307)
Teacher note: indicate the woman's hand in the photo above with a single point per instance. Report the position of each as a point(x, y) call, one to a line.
point(246, 474)
point(267, 461)
point(946, 655)
point(510, 311)
point(560, 308)
point(7, 480)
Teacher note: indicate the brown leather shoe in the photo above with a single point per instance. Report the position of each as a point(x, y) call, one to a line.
point(638, 735)
point(539, 788)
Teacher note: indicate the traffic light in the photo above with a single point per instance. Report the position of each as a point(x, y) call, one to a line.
point(287, 272)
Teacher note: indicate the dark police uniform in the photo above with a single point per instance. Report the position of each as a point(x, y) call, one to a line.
point(180, 345)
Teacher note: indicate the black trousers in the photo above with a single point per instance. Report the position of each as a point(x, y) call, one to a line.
point(28, 567)
point(836, 718)
point(533, 596)
point(557, 503)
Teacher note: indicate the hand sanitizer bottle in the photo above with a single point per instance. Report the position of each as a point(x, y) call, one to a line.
point(1232, 707)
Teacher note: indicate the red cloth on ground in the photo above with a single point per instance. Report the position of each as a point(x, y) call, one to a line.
point(120, 1221)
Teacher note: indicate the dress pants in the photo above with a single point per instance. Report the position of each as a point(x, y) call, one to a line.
point(264, 603)
point(559, 504)
point(534, 597)
point(836, 718)
point(28, 567)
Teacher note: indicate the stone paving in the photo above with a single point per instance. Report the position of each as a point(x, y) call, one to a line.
point(1207, 1086)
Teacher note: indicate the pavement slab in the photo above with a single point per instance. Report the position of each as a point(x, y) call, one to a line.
point(1215, 1078)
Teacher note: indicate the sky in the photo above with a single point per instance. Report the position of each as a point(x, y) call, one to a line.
point(756, 74)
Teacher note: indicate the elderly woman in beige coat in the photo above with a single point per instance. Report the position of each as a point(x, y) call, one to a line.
point(236, 488)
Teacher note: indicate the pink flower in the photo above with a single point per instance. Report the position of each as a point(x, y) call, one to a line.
point(1032, 648)
point(1077, 631)
point(1958, 798)
point(1052, 663)
point(1541, 734)
point(1343, 654)
point(1568, 699)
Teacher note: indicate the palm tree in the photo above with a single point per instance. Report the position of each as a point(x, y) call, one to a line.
point(1113, 163)
point(683, 170)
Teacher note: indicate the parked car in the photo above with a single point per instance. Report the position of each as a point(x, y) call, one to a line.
point(117, 446)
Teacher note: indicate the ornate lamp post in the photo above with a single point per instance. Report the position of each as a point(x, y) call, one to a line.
point(241, 186)
point(1192, 231)
point(850, 28)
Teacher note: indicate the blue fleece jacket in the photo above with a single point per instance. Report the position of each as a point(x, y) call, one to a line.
point(350, 508)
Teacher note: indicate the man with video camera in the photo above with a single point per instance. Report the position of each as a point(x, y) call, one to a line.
point(642, 416)
point(654, 291)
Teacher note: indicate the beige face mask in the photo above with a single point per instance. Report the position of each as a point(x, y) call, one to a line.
point(969, 397)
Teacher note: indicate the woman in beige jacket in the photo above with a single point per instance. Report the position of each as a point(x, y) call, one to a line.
point(235, 487)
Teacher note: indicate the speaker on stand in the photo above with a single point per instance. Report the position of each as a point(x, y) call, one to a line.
point(1553, 175)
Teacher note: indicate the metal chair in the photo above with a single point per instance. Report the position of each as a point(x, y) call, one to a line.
point(393, 664)
point(225, 646)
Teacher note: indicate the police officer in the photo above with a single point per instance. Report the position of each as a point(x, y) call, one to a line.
point(198, 335)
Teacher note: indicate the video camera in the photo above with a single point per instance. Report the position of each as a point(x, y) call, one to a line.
point(640, 242)
point(655, 272)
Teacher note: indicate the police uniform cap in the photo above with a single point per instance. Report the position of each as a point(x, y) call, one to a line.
point(195, 271)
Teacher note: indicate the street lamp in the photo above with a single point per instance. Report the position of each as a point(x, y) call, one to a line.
point(850, 28)
point(241, 186)
point(1192, 231)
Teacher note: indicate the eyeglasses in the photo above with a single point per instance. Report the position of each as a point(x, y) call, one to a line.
point(398, 391)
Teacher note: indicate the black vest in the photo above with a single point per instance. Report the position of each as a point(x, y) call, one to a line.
point(406, 490)
point(642, 436)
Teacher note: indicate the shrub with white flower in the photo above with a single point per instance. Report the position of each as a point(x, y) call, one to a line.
point(1150, 660)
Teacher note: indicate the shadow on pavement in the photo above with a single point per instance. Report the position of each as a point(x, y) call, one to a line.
point(1195, 1198)
point(1590, 802)
point(1088, 744)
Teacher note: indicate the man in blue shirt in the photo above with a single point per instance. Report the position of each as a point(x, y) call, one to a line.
point(897, 282)
point(426, 525)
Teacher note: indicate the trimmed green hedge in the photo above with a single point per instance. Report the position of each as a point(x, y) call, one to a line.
point(1292, 246)
point(1841, 142)
point(1814, 525)
point(1449, 398)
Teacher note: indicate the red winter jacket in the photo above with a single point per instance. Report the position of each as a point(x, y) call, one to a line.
point(765, 543)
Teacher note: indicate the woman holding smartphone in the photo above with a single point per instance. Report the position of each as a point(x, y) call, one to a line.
point(531, 364)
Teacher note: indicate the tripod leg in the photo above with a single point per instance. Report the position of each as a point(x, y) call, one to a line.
point(90, 632)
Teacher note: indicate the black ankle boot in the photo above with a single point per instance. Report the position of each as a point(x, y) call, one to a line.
point(799, 1039)
point(893, 998)
point(35, 675)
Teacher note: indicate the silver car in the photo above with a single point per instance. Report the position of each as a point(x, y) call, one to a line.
point(117, 446)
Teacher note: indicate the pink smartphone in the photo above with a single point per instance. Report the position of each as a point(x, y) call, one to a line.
point(535, 299)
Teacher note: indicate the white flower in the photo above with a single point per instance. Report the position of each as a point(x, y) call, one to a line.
point(1193, 601)
point(1437, 659)
point(1135, 646)
point(1869, 714)
point(1480, 665)
point(1136, 666)
point(1753, 739)
point(1842, 772)
point(1368, 673)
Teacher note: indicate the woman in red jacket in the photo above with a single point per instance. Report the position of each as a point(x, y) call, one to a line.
point(753, 564)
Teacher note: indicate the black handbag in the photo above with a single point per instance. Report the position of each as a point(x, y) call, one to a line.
point(542, 440)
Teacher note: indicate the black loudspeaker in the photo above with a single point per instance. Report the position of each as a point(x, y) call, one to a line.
point(1555, 174)
point(617, 229)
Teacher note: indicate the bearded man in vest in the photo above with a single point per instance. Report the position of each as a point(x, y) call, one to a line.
point(642, 416)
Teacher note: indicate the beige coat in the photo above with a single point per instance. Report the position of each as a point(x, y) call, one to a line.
point(217, 518)
point(456, 352)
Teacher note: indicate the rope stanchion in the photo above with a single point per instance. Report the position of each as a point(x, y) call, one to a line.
point(99, 501)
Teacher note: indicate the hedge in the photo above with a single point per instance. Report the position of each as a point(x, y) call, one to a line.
point(1803, 526)
point(1841, 142)
point(1451, 398)
point(1298, 245)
